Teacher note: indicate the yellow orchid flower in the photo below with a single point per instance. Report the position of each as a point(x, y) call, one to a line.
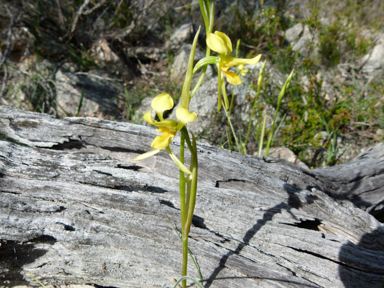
point(220, 43)
point(169, 128)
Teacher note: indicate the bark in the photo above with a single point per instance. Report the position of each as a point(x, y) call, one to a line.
point(75, 210)
point(360, 181)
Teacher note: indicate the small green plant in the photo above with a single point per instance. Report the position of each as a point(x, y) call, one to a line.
point(80, 103)
point(279, 99)
point(329, 46)
point(220, 43)
point(241, 145)
point(81, 57)
point(38, 87)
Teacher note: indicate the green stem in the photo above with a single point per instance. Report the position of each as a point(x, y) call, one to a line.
point(185, 259)
point(233, 130)
point(279, 99)
point(204, 12)
point(182, 183)
point(272, 129)
point(198, 84)
point(252, 114)
point(193, 191)
point(262, 136)
point(230, 142)
point(183, 211)
point(190, 201)
point(211, 8)
point(269, 139)
point(233, 97)
point(189, 251)
point(229, 115)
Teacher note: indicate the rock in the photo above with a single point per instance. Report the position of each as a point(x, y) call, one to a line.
point(103, 54)
point(204, 102)
point(100, 94)
point(283, 153)
point(180, 63)
point(144, 107)
point(22, 43)
point(107, 60)
point(182, 35)
point(146, 53)
point(375, 59)
point(302, 40)
point(75, 209)
point(293, 34)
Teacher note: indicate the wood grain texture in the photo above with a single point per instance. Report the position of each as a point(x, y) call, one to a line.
point(75, 210)
point(360, 181)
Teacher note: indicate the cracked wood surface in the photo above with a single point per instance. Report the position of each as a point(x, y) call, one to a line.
point(75, 210)
point(360, 181)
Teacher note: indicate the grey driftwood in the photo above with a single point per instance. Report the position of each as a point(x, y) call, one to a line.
point(75, 210)
point(360, 181)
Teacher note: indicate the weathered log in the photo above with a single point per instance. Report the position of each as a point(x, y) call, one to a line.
point(75, 210)
point(360, 181)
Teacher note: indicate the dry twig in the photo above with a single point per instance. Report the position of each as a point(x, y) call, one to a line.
point(89, 11)
point(78, 14)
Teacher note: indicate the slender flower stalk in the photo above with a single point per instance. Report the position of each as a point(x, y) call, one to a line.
point(188, 176)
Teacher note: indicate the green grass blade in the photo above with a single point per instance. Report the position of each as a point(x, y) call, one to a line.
point(189, 252)
point(80, 103)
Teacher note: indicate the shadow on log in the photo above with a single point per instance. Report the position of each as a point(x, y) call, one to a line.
point(75, 210)
point(360, 181)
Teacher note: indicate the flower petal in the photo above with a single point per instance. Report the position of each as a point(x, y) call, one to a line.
point(146, 155)
point(232, 78)
point(148, 117)
point(184, 116)
point(217, 44)
point(162, 103)
point(165, 125)
point(162, 141)
point(178, 162)
point(228, 61)
point(226, 40)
